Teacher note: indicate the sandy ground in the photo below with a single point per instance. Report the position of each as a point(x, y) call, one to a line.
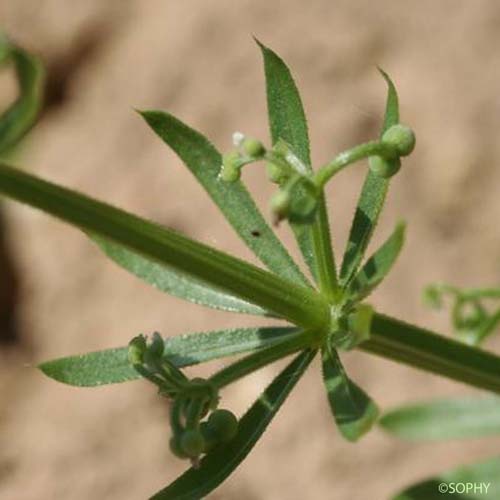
point(197, 59)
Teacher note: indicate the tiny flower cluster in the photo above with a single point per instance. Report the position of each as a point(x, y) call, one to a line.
point(192, 400)
point(299, 188)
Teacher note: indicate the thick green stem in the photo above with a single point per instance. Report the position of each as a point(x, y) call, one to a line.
point(342, 160)
point(253, 362)
point(414, 346)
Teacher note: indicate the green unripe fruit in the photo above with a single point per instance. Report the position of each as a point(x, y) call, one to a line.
point(401, 138)
point(223, 424)
point(253, 148)
point(192, 443)
point(230, 171)
point(280, 204)
point(275, 173)
point(303, 207)
point(209, 437)
point(175, 447)
point(383, 167)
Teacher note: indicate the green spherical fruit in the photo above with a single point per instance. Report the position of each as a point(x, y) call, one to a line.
point(280, 204)
point(192, 443)
point(253, 148)
point(384, 168)
point(209, 436)
point(401, 138)
point(230, 171)
point(303, 208)
point(275, 174)
point(176, 448)
point(223, 424)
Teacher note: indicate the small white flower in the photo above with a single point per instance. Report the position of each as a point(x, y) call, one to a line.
point(238, 139)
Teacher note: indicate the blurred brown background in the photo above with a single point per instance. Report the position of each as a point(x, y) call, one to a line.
point(197, 59)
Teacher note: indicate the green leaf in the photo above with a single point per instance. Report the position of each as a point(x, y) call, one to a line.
point(353, 410)
point(378, 266)
point(371, 200)
point(421, 348)
point(112, 366)
point(234, 201)
point(20, 115)
point(479, 481)
point(445, 419)
point(391, 116)
point(298, 304)
point(180, 285)
point(217, 465)
point(287, 121)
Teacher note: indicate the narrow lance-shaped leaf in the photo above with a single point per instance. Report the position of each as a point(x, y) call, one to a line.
point(287, 121)
point(421, 348)
point(445, 419)
point(371, 200)
point(170, 281)
point(112, 366)
point(218, 464)
point(20, 115)
point(353, 410)
point(377, 266)
point(234, 201)
point(479, 481)
point(298, 304)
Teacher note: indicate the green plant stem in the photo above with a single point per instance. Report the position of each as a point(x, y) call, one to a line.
point(472, 293)
point(300, 305)
point(342, 160)
point(253, 362)
point(420, 348)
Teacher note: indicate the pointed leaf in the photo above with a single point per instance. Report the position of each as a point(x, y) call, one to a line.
point(112, 366)
point(421, 348)
point(479, 481)
point(217, 465)
point(391, 116)
point(173, 282)
point(445, 419)
point(378, 266)
point(353, 410)
point(20, 116)
point(234, 201)
point(287, 121)
point(298, 304)
point(371, 200)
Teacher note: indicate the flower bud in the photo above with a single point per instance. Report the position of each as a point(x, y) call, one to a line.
point(280, 204)
point(401, 137)
point(154, 352)
point(275, 173)
point(136, 349)
point(303, 207)
point(383, 167)
point(253, 148)
point(230, 171)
